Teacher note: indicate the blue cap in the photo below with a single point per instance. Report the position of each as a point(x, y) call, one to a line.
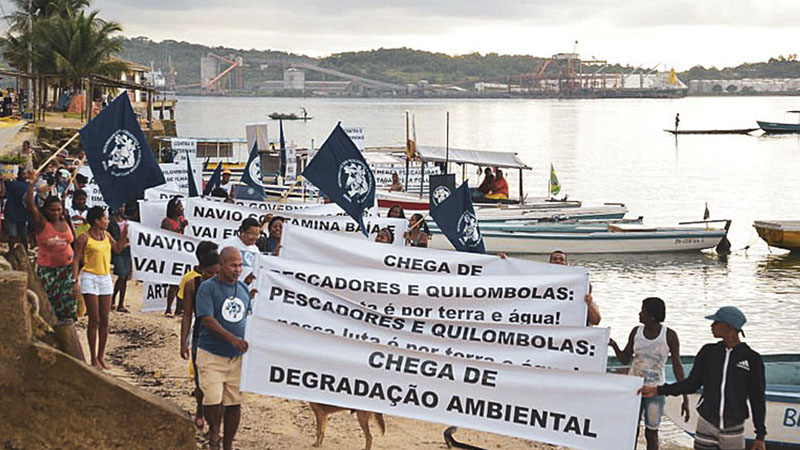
point(730, 315)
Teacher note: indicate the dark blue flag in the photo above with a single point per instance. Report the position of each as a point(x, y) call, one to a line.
point(457, 220)
point(245, 192)
point(341, 173)
point(282, 163)
point(252, 175)
point(214, 181)
point(118, 153)
point(192, 187)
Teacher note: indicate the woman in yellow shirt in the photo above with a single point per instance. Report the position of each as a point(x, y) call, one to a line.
point(93, 251)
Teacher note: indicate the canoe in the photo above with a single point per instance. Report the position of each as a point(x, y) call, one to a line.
point(626, 238)
point(777, 127)
point(289, 116)
point(783, 400)
point(723, 131)
point(779, 233)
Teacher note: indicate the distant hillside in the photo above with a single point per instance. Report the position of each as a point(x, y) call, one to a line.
point(404, 65)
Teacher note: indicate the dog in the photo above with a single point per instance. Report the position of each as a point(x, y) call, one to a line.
point(322, 411)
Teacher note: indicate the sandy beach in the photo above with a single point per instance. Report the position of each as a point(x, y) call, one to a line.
point(143, 349)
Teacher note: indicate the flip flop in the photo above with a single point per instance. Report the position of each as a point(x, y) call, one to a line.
point(123, 309)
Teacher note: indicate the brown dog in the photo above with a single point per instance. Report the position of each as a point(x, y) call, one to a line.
point(321, 412)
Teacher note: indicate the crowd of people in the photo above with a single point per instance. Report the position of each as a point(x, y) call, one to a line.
point(79, 247)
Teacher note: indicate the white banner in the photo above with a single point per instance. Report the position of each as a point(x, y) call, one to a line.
point(164, 192)
point(356, 134)
point(383, 175)
point(152, 212)
point(596, 411)
point(534, 299)
point(93, 195)
point(178, 174)
point(181, 147)
point(161, 256)
point(218, 220)
point(154, 297)
point(254, 207)
point(288, 300)
point(324, 248)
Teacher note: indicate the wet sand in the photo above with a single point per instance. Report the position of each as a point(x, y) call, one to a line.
point(143, 349)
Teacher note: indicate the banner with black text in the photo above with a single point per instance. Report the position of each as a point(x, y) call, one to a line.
point(585, 410)
point(160, 256)
point(536, 299)
point(288, 300)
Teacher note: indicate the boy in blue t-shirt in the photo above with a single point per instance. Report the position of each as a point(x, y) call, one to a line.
point(222, 305)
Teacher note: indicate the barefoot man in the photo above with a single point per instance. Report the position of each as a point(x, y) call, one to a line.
point(222, 305)
point(730, 373)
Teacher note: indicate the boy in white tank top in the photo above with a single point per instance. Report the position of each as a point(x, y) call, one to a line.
point(649, 345)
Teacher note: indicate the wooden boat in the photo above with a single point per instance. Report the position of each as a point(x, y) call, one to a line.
point(728, 131)
point(780, 233)
point(617, 238)
point(782, 373)
point(783, 401)
point(288, 116)
point(778, 127)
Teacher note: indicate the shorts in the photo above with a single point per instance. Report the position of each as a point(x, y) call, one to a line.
point(652, 409)
point(708, 436)
point(93, 284)
point(219, 378)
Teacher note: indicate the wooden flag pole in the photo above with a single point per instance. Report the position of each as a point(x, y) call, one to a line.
point(57, 152)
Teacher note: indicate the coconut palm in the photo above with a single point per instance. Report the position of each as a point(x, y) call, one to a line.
point(79, 46)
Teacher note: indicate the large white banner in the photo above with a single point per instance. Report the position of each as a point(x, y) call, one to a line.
point(287, 300)
point(152, 212)
point(324, 248)
point(217, 220)
point(596, 411)
point(161, 256)
point(179, 175)
point(536, 299)
point(93, 195)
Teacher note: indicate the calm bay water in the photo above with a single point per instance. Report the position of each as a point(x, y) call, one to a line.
point(603, 151)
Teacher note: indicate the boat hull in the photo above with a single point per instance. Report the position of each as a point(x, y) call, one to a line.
point(782, 419)
point(592, 243)
point(777, 127)
point(781, 234)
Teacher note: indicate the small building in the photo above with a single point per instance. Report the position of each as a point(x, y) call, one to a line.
point(294, 79)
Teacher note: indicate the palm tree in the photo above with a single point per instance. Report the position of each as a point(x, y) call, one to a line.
point(80, 46)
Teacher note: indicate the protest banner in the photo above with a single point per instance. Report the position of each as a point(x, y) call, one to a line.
point(152, 212)
point(164, 192)
point(218, 220)
point(288, 300)
point(596, 411)
point(93, 195)
point(183, 147)
point(160, 256)
point(302, 244)
point(154, 297)
point(356, 134)
point(179, 175)
point(533, 299)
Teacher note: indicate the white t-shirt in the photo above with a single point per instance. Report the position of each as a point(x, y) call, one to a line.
point(249, 254)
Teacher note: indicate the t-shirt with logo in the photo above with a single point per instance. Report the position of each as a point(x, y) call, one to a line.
point(249, 254)
point(228, 304)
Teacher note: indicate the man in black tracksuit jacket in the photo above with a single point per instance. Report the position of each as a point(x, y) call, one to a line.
point(730, 373)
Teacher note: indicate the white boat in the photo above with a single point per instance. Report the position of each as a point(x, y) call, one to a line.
point(617, 238)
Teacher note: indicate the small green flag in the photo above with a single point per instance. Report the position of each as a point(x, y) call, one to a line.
point(555, 186)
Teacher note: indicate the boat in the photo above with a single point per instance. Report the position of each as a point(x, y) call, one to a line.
point(727, 131)
point(615, 238)
point(288, 116)
point(779, 233)
point(782, 373)
point(778, 127)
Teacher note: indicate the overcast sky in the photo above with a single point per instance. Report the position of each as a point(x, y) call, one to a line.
point(672, 33)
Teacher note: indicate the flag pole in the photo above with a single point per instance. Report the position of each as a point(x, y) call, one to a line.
point(408, 151)
point(47, 161)
point(447, 146)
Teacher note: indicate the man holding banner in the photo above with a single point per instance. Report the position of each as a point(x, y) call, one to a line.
point(222, 305)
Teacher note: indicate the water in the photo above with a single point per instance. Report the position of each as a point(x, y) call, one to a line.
point(608, 150)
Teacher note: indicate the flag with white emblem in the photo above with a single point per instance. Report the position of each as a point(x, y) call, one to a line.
point(458, 222)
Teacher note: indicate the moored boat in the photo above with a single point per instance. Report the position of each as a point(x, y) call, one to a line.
point(782, 373)
point(778, 127)
point(617, 238)
point(779, 233)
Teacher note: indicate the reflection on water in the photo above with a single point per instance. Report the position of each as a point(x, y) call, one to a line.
point(608, 150)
